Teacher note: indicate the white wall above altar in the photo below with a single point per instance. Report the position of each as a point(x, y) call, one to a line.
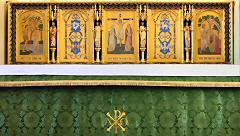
point(237, 32)
point(124, 70)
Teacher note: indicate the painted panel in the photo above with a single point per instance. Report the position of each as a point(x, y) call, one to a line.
point(32, 36)
point(165, 36)
point(76, 36)
point(120, 40)
point(209, 36)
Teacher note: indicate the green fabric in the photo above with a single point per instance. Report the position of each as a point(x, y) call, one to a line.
point(150, 78)
point(151, 111)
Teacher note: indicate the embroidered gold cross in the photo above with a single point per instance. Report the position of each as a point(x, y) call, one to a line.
point(119, 120)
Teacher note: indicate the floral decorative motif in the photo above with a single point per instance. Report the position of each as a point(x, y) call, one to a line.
point(135, 120)
point(234, 120)
point(201, 120)
point(31, 120)
point(2, 119)
point(165, 35)
point(98, 120)
point(167, 120)
point(150, 110)
point(65, 119)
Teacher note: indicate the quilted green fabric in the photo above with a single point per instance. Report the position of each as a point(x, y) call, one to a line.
point(151, 111)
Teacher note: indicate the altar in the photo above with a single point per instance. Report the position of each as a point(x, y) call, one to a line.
point(141, 105)
point(119, 68)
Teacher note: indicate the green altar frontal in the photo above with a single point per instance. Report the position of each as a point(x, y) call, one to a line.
point(80, 106)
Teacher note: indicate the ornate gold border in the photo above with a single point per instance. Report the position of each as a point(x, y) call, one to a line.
point(118, 83)
point(9, 44)
point(10, 32)
point(119, 1)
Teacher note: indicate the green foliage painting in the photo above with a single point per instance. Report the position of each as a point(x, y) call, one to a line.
point(212, 21)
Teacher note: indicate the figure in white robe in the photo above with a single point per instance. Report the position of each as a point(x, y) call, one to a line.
point(205, 38)
point(97, 37)
point(120, 36)
point(112, 40)
point(187, 36)
point(25, 38)
point(143, 35)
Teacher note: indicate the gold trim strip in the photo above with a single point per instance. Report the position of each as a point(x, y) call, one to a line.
point(9, 44)
point(118, 83)
point(119, 1)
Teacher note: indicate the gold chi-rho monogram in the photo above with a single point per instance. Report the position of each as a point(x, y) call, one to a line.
point(118, 120)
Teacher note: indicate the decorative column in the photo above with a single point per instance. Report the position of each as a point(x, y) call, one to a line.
point(143, 31)
point(97, 31)
point(187, 31)
point(53, 32)
point(2, 31)
point(187, 41)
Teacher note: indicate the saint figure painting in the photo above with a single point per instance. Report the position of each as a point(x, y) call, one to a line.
point(120, 36)
point(120, 44)
point(209, 42)
point(209, 36)
point(32, 39)
point(31, 36)
point(112, 39)
point(128, 41)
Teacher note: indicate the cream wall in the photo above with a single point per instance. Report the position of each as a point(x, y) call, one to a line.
point(236, 32)
point(2, 31)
